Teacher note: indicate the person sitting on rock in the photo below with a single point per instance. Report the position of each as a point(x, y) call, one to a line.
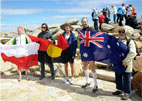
point(123, 81)
point(68, 54)
point(42, 55)
point(20, 39)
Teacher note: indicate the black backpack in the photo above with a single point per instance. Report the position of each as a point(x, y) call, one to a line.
point(138, 54)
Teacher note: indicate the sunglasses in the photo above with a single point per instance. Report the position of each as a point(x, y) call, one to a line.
point(121, 31)
point(43, 27)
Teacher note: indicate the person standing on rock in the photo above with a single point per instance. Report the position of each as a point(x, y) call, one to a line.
point(95, 18)
point(123, 81)
point(42, 55)
point(114, 11)
point(20, 39)
point(90, 62)
point(68, 54)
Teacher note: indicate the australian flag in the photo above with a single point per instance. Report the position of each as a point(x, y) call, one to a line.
point(101, 47)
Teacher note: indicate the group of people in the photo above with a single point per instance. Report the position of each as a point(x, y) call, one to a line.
point(123, 81)
point(127, 12)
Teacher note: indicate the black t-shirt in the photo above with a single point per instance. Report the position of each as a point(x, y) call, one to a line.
point(89, 29)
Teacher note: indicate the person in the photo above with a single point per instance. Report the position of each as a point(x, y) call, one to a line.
point(120, 14)
point(20, 39)
point(114, 11)
point(123, 81)
point(90, 63)
point(68, 54)
point(95, 18)
point(128, 13)
point(42, 55)
point(101, 20)
point(133, 21)
point(107, 15)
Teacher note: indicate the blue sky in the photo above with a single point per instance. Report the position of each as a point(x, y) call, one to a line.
point(32, 13)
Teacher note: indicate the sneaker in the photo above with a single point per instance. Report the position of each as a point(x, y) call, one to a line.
point(95, 89)
point(41, 78)
point(117, 92)
point(86, 85)
point(52, 77)
point(125, 97)
point(72, 81)
point(65, 80)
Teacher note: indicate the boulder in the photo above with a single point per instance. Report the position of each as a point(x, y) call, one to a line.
point(54, 31)
point(73, 21)
point(54, 26)
point(137, 83)
point(107, 27)
point(129, 30)
point(139, 20)
point(139, 44)
point(58, 33)
point(136, 36)
point(60, 69)
point(138, 63)
point(76, 27)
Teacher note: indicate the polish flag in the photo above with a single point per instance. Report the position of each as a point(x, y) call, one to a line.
point(24, 56)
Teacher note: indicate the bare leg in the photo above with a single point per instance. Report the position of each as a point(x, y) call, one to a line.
point(92, 66)
point(66, 69)
point(72, 69)
point(26, 71)
point(20, 76)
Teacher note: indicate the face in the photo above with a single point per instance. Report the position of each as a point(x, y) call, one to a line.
point(19, 30)
point(43, 28)
point(84, 23)
point(122, 34)
point(67, 29)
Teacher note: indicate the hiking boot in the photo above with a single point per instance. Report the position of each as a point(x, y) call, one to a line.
point(117, 92)
point(86, 85)
point(125, 97)
point(95, 89)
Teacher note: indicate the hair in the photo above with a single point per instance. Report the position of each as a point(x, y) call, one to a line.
point(121, 28)
point(84, 18)
point(20, 27)
point(67, 24)
point(45, 25)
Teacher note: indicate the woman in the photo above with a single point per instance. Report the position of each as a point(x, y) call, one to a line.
point(42, 55)
point(68, 55)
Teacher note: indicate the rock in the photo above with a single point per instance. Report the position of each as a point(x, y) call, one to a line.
point(136, 36)
point(54, 26)
point(5, 66)
point(129, 30)
point(35, 33)
point(139, 20)
point(137, 83)
point(76, 33)
point(76, 27)
point(141, 38)
point(105, 75)
point(54, 31)
point(73, 21)
point(139, 44)
point(138, 63)
point(4, 40)
point(60, 69)
point(58, 33)
point(107, 27)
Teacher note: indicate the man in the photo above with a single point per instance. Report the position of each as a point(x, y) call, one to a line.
point(42, 55)
point(120, 14)
point(89, 63)
point(68, 55)
point(123, 81)
point(95, 18)
point(107, 15)
point(20, 39)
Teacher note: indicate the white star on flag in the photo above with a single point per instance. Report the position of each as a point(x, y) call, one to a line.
point(85, 55)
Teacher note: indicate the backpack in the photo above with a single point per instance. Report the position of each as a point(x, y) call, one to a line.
point(138, 54)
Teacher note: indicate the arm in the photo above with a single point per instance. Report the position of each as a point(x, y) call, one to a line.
point(132, 52)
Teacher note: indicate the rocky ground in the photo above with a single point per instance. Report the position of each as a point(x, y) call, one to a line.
point(55, 90)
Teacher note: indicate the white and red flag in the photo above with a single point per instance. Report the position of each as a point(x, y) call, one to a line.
point(24, 56)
